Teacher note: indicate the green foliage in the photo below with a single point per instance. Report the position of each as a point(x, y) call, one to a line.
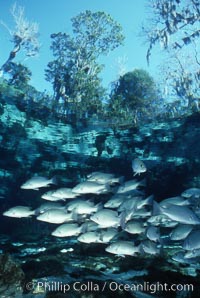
point(19, 74)
point(136, 88)
point(8, 91)
point(133, 97)
point(75, 72)
point(97, 32)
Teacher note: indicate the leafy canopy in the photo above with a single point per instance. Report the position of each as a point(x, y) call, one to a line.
point(75, 71)
point(133, 96)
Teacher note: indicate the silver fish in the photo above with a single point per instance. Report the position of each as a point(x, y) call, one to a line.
point(181, 214)
point(67, 230)
point(76, 203)
point(138, 166)
point(180, 258)
point(134, 227)
point(123, 248)
point(106, 218)
point(98, 236)
point(141, 213)
point(130, 204)
point(104, 178)
point(143, 202)
point(49, 205)
point(130, 187)
point(130, 209)
point(64, 193)
point(161, 220)
point(50, 197)
point(90, 226)
point(86, 207)
point(192, 241)
point(90, 187)
point(19, 212)
point(108, 235)
point(56, 216)
point(90, 237)
point(153, 233)
point(150, 247)
point(192, 253)
point(175, 201)
point(191, 192)
point(37, 182)
point(181, 232)
point(115, 201)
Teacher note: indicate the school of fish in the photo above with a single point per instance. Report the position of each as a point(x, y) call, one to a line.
point(105, 209)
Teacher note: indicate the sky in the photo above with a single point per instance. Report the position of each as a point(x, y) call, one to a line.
point(54, 16)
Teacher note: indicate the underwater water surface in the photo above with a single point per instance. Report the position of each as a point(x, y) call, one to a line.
point(98, 211)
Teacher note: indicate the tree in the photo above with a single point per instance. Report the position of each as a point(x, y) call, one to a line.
point(24, 36)
point(75, 71)
point(20, 75)
point(177, 18)
point(133, 96)
point(181, 80)
point(175, 25)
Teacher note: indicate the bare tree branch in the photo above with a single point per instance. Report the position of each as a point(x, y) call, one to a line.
point(24, 36)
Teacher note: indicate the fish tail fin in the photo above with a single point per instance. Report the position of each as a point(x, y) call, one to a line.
point(54, 180)
point(99, 206)
point(107, 188)
point(140, 248)
point(122, 221)
point(32, 213)
point(149, 200)
point(143, 183)
point(113, 189)
point(156, 208)
point(36, 212)
point(75, 216)
point(84, 228)
point(120, 180)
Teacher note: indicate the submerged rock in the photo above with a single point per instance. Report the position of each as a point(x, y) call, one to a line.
point(11, 277)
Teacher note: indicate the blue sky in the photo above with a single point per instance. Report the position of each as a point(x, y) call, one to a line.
point(55, 16)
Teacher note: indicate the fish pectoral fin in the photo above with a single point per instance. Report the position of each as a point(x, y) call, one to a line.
point(120, 256)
